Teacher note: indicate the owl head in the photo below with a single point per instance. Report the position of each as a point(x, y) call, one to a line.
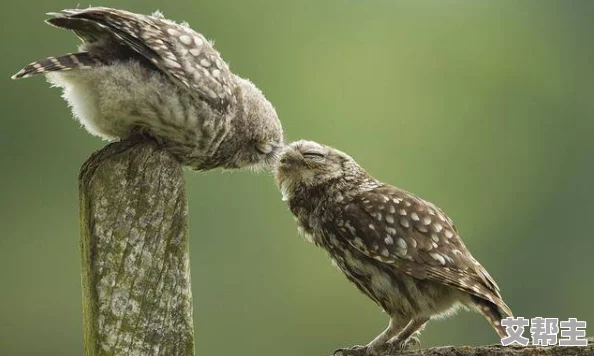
point(307, 164)
point(258, 133)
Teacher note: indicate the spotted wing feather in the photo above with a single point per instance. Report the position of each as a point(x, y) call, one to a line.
point(181, 53)
point(398, 228)
point(68, 61)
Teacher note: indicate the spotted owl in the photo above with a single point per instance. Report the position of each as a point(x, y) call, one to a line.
point(398, 249)
point(146, 74)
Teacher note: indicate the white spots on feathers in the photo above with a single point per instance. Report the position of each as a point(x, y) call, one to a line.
point(390, 230)
point(189, 58)
point(435, 237)
point(401, 252)
point(422, 228)
point(437, 227)
point(439, 258)
point(185, 39)
point(350, 227)
point(426, 220)
point(171, 63)
point(404, 222)
point(389, 219)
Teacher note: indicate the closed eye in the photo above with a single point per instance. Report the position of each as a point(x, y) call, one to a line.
point(313, 155)
point(260, 151)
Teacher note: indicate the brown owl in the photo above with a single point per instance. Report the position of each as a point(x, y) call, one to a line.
point(398, 249)
point(144, 73)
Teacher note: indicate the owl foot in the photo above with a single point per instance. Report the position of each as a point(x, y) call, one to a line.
point(356, 350)
point(396, 345)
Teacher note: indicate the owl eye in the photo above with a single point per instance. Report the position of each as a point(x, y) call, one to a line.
point(315, 156)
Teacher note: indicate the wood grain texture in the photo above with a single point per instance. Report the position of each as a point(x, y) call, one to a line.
point(134, 242)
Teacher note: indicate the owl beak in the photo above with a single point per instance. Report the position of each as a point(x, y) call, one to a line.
point(288, 158)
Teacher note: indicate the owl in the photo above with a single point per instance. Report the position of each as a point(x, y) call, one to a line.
point(137, 74)
point(401, 251)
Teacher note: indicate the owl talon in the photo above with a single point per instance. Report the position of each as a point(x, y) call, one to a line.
point(356, 350)
point(398, 345)
point(414, 341)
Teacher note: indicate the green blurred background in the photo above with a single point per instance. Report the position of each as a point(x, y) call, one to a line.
point(483, 107)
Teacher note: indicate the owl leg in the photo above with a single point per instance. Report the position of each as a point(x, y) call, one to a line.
point(395, 326)
point(408, 336)
point(376, 345)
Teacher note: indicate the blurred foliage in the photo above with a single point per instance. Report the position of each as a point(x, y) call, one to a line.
point(483, 107)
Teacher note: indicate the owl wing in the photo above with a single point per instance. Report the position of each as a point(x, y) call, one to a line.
point(400, 229)
point(181, 53)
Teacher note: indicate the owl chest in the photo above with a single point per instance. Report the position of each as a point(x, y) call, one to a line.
point(309, 233)
point(311, 221)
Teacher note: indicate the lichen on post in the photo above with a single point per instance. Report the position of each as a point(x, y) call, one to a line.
point(134, 241)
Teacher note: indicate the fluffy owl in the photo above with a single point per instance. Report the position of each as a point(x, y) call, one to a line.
point(146, 74)
point(398, 249)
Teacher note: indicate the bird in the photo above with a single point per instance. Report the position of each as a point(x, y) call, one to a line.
point(144, 74)
point(399, 250)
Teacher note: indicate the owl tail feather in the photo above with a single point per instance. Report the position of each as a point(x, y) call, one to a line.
point(80, 60)
point(493, 313)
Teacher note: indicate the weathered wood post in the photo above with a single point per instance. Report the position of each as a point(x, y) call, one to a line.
point(134, 242)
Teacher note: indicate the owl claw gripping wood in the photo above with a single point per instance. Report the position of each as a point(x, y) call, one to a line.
point(135, 72)
point(398, 249)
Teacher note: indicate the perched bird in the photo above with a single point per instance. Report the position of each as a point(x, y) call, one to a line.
point(398, 249)
point(146, 74)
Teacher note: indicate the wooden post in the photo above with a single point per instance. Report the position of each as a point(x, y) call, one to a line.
point(134, 241)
